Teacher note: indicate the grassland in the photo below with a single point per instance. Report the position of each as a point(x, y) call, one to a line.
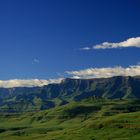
point(89, 119)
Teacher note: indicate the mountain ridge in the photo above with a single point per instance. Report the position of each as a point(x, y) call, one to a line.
point(38, 98)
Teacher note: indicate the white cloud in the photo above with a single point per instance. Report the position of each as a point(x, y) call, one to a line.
point(131, 42)
point(35, 60)
point(105, 72)
point(27, 83)
point(86, 48)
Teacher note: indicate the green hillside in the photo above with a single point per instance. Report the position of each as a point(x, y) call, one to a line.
point(75, 109)
point(89, 119)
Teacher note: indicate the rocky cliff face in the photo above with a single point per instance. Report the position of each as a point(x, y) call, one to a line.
point(24, 98)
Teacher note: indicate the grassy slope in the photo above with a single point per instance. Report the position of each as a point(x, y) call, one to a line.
point(86, 120)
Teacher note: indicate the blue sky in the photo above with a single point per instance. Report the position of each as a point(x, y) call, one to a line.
point(42, 38)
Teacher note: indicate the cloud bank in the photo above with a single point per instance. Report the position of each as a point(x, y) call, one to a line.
point(105, 72)
point(131, 42)
point(27, 83)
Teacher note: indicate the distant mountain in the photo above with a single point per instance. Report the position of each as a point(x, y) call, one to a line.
point(39, 98)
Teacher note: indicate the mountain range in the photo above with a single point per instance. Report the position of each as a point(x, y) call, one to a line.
point(19, 99)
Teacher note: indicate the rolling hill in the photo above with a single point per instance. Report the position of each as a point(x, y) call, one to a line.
point(75, 109)
point(89, 119)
